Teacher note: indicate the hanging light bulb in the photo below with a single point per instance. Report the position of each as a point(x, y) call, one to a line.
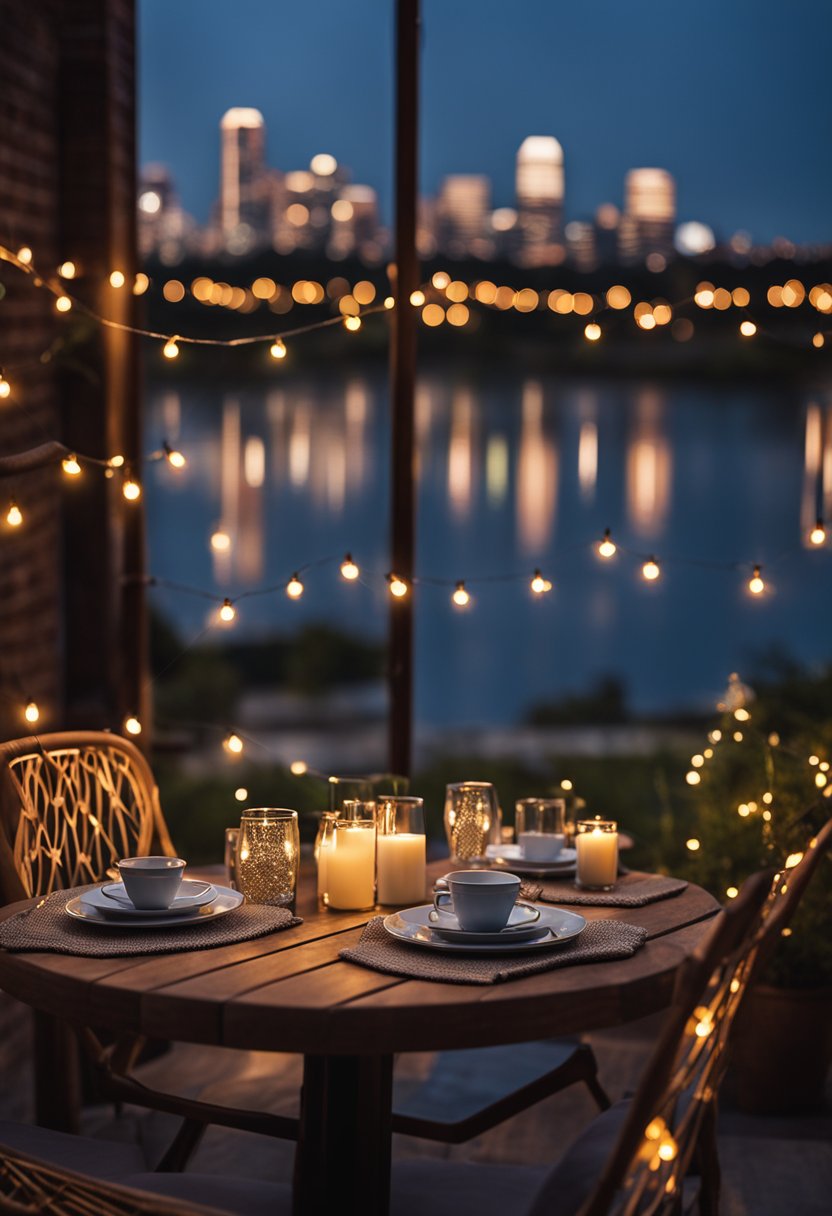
point(131, 489)
point(63, 303)
point(277, 350)
point(460, 596)
point(298, 768)
point(116, 462)
point(818, 534)
point(14, 515)
point(220, 540)
point(592, 332)
point(5, 387)
point(227, 612)
point(233, 744)
point(117, 278)
point(31, 713)
point(132, 725)
point(398, 586)
point(70, 466)
point(349, 570)
point(607, 546)
point(294, 587)
point(67, 270)
point(24, 255)
point(539, 584)
point(756, 585)
point(174, 458)
point(352, 323)
point(171, 349)
point(650, 570)
point(748, 329)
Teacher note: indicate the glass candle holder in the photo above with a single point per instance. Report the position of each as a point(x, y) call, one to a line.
point(597, 843)
point(344, 789)
point(232, 836)
point(351, 865)
point(268, 852)
point(400, 851)
point(472, 818)
point(357, 809)
point(323, 845)
point(539, 827)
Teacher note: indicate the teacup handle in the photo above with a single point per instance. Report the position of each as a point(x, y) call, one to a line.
point(524, 903)
point(441, 894)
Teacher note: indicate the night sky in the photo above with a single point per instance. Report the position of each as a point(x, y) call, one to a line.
point(733, 98)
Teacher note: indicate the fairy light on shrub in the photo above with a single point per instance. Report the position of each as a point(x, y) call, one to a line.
point(349, 570)
point(294, 587)
point(756, 584)
point(540, 585)
point(606, 546)
point(650, 570)
point(460, 596)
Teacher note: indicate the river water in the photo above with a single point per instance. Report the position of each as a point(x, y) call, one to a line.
point(514, 473)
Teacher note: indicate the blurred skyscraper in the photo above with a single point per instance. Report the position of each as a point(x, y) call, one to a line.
point(163, 226)
point(646, 227)
point(461, 214)
point(539, 186)
point(245, 187)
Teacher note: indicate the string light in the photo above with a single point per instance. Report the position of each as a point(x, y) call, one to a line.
point(298, 768)
point(277, 350)
point(233, 744)
point(132, 725)
point(71, 466)
point(539, 584)
point(116, 462)
point(650, 569)
point(353, 324)
point(693, 845)
point(693, 777)
point(294, 587)
point(241, 793)
point(417, 298)
point(592, 332)
point(227, 612)
point(732, 892)
point(171, 349)
point(174, 458)
point(398, 586)
point(818, 340)
point(756, 585)
point(117, 278)
point(63, 303)
point(5, 387)
point(818, 534)
point(31, 713)
point(24, 255)
point(14, 515)
point(607, 546)
point(131, 489)
point(697, 761)
point(748, 329)
point(460, 596)
point(349, 570)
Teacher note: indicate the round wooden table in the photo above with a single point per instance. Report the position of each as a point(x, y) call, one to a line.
point(290, 992)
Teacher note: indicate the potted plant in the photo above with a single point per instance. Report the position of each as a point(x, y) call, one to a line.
point(757, 791)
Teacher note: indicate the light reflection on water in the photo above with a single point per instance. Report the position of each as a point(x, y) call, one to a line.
point(513, 473)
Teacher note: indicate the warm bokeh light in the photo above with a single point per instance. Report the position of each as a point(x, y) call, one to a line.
point(398, 586)
point(131, 490)
point(433, 315)
point(117, 278)
point(241, 793)
point(323, 165)
point(70, 465)
point(650, 570)
point(63, 304)
point(171, 349)
point(227, 612)
point(417, 298)
point(277, 350)
point(606, 546)
point(756, 585)
point(539, 584)
point(353, 324)
point(24, 255)
point(233, 744)
point(818, 340)
point(294, 587)
point(692, 845)
point(364, 292)
point(349, 570)
point(458, 315)
point(173, 291)
point(220, 541)
point(31, 713)
point(592, 332)
point(741, 297)
point(67, 270)
point(175, 458)
point(693, 777)
point(132, 725)
point(5, 387)
point(618, 297)
point(14, 515)
point(818, 534)
point(748, 329)
point(298, 768)
point(460, 596)
point(140, 284)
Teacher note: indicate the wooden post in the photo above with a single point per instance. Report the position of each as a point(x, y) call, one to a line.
point(402, 384)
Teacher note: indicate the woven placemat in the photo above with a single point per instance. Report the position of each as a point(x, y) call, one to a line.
point(46, 927)
point(631, 891)
point(601, 941)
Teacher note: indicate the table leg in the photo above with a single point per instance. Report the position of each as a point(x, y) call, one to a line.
point(57, 1075)
point(342, 1162)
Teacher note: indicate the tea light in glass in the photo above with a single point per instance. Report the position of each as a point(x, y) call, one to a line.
point(351, 865)
point(596, 841)
point(268, 852)
point(400, 851)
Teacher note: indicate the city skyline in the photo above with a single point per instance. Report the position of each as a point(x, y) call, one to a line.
point(729, 103)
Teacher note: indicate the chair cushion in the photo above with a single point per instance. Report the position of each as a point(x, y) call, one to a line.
point(108, 1160)
point(566, 1187)
point(236, 1196)
point(448, 1188)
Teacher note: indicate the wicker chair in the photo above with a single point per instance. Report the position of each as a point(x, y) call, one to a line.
point(70, 806)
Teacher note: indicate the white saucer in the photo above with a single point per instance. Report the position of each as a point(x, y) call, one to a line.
point(112, 899)
point(555, 927)
point(511, 855)
point(87, 909)
point(522, 925)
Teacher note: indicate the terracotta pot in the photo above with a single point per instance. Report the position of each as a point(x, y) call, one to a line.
point(782, 1050)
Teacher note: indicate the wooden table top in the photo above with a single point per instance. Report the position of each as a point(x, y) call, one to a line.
point(289, 991)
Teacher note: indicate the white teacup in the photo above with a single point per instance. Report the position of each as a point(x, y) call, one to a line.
point(481, 900)
point(541, 846)
point(152, 882)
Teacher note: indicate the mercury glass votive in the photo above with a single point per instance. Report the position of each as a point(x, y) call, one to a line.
point(472, 819)
point(268, 853)
point(596, 841)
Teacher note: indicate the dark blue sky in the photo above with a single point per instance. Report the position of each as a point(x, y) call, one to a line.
point(732, 96)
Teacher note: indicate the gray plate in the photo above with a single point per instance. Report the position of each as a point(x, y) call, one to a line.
point(556, 928)
point(225, 902)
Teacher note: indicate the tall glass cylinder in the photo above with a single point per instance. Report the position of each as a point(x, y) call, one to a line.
point(268, 853)
point(323, 844)
point(343, 789)
point(596, 841)
point(400, 851)
point(472, 816)
point(351, 865)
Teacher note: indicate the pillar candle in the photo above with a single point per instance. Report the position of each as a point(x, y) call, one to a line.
point(597, 863)
point(351, 867)
point(401, 868)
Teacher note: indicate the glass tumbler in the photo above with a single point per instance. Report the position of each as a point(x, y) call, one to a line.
point(597, 843)
point(471, 817)
point(343, 789)
point(356, 808)
point(539, 827)
point(323, 846)
point(401, 876)
point(268, 852)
